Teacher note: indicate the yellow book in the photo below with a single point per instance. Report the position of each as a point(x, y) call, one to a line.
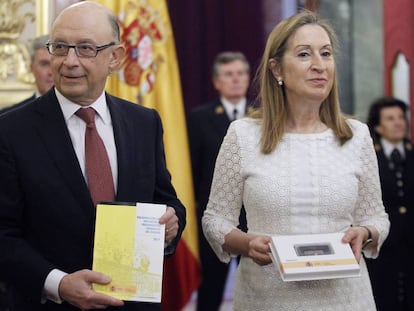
point(129, 247)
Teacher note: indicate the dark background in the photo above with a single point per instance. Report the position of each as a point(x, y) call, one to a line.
point(202, 29)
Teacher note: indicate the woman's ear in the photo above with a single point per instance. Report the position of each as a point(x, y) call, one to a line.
point(274, 67)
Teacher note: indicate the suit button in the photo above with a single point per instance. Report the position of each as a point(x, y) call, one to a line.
point(400, 183)
point(402, 210)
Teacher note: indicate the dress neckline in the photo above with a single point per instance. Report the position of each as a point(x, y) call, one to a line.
point(322, 134)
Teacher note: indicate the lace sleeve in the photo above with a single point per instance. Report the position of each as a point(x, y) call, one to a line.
point(225, 201)
point(370, 208)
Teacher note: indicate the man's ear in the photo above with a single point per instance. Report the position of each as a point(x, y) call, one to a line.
point(216, 83)
point(117, 57)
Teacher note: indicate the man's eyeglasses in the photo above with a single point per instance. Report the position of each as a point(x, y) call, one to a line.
point(85, 50)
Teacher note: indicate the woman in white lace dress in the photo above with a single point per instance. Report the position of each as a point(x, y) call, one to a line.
point(300, 167)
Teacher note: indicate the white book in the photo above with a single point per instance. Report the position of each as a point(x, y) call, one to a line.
point(313, 257)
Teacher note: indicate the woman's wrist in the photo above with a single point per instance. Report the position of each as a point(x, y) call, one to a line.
point(368, 239)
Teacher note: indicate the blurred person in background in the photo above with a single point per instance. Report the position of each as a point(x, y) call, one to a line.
point(207, 126)
point(40, 68)
point(392, 273)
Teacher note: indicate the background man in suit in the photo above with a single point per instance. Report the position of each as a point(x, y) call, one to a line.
point(392, 273)
point(207, 126)
point(40, 68)
point(47, 214)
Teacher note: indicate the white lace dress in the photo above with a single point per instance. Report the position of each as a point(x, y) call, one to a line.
point(309, 184)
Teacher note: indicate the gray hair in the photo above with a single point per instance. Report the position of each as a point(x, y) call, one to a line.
point(38, 43)
point(228, 57)
point(113, 21)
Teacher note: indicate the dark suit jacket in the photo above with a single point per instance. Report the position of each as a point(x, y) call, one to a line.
point(47, 216)
point(18, 105)
point(402, 225)
point(396, 254)
point(207, 126)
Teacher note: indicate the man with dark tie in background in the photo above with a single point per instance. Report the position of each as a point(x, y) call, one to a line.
point(207, 126)
point(47, 191)
point(392, 273)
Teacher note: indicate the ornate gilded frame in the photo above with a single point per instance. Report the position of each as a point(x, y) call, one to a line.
point(22, 20)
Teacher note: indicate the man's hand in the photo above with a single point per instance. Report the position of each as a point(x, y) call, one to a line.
point(171, 224)
point(76, 289)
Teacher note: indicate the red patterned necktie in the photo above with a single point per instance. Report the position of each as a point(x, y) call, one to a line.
point(98, 169)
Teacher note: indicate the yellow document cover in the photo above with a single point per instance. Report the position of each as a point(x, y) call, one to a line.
point(129, 247)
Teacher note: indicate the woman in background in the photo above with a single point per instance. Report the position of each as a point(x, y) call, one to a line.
point(392, 273)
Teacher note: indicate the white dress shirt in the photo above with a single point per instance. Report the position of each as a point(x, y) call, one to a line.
point(76, 127)
point(388, 147)
point(230, 107)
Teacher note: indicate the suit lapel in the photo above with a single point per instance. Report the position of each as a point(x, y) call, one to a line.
point(125, 151)
point(409, 163)
point(53, 131)
point(219, 118)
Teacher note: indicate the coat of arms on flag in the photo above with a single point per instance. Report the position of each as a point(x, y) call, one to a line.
point(141, 28)
point(150, 77)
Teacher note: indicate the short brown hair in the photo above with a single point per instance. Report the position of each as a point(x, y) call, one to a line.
point(228, 57)
point(37, 43)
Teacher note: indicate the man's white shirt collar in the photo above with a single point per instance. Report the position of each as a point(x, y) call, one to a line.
point(69, 108)
point(388, 147)
point(229, 107)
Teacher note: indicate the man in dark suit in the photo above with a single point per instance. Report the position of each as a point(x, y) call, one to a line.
point(207, 126)
point(392, 273)
point(47, 214)
point(40, 68)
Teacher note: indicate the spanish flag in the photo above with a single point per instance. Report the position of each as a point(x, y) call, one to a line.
point(150, 77)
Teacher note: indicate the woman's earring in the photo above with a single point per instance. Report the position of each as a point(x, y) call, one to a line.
point(280, 81)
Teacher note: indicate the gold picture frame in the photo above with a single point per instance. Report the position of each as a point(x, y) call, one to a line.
point(23, 20)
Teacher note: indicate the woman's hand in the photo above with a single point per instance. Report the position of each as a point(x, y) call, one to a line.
point(259, 250)
point(356, 236)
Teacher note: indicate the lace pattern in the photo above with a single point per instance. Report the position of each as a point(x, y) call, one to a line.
point(309, 184)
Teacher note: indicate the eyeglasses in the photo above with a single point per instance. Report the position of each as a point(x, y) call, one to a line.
point(85, 50)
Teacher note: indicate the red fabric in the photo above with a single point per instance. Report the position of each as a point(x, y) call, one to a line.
point(97, 167)
point(398, 34)
point(181, 277)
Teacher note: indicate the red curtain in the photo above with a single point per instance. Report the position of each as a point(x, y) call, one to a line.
point(203, 28)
